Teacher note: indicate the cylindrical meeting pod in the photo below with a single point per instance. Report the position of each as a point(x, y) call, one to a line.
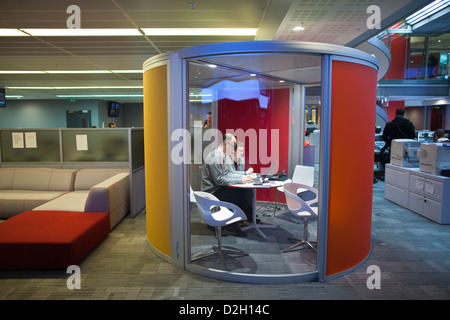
point(290, 106)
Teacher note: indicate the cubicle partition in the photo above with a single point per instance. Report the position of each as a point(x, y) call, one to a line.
point(257, 90)
point(78, 149)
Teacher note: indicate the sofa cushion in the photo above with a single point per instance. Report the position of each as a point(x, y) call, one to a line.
point(87, 178)
point(13, 202)
point(50, 239)
point(42, 179)
point(6, 178)
point(72, 201)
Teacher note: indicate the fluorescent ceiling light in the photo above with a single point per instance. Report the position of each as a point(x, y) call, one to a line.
point(12, 33)
point(127, 71)
point(74, 88)
point(427, 11)
point(100, 96)
point(13, 97)
point(82, 32)
point(20, 72)
point(128, 32)
point(200, 31)
point(67, 71)
point(400, 31)
point(76, 71)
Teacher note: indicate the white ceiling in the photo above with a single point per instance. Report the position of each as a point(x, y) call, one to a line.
point(341, 22)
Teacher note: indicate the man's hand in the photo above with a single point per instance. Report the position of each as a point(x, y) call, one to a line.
point(247, 179)
point(249, 171)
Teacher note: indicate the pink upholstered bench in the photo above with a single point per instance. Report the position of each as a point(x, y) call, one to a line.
point(50, 239)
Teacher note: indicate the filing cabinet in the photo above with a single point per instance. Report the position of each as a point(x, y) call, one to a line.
point(423, 193)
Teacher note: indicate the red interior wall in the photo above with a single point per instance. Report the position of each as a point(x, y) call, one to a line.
point(394, 105)
point(399, 53)
point(247, 114)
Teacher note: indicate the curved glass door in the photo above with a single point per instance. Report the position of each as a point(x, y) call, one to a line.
point(271, 104)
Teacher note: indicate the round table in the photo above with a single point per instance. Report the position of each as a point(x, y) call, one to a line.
point(267, 184)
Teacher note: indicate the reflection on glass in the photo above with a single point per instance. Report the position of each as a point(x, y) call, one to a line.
point(252, 98)
point(428, 57)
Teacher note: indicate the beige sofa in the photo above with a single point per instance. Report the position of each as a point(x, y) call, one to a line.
point(85, 190)
point(22, 189)
point(96, 190)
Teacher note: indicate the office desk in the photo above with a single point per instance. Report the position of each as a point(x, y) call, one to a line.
point(265, 185)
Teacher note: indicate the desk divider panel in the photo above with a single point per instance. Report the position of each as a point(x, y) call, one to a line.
point(93, 145)
point(29, 145)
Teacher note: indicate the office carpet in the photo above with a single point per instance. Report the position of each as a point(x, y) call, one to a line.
point(265, 254)
point(412, 253)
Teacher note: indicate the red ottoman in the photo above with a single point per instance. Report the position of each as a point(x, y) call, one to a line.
point(50, 239)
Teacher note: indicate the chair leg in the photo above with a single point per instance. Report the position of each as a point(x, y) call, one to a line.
point(276, 202)
point(305, 240)
point(221, 250)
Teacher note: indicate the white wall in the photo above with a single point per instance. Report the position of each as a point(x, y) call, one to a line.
point(52, 113)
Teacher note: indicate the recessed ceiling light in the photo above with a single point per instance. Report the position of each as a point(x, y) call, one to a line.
point(298, 28)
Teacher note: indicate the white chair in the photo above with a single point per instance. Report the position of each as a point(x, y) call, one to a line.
point(218, 214)
point(303, 175)
point(191, 195)
point(300, 208)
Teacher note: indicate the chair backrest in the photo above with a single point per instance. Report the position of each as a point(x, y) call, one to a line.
point(297, 204)
point(303, 175)
point(191, 195)
point(224, 216)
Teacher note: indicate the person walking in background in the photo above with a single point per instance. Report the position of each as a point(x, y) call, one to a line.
point(398, 128)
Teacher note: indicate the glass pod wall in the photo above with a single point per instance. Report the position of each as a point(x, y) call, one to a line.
point(274, 99)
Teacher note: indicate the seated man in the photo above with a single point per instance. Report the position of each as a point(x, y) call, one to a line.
point(216, 179)
point(236, 163)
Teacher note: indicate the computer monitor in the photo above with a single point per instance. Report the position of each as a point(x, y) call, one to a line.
point(425, 136)
point(2, 98)
point(113, 109)
point(270, 171)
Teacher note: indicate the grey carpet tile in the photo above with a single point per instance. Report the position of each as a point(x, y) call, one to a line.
point(411, 251)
